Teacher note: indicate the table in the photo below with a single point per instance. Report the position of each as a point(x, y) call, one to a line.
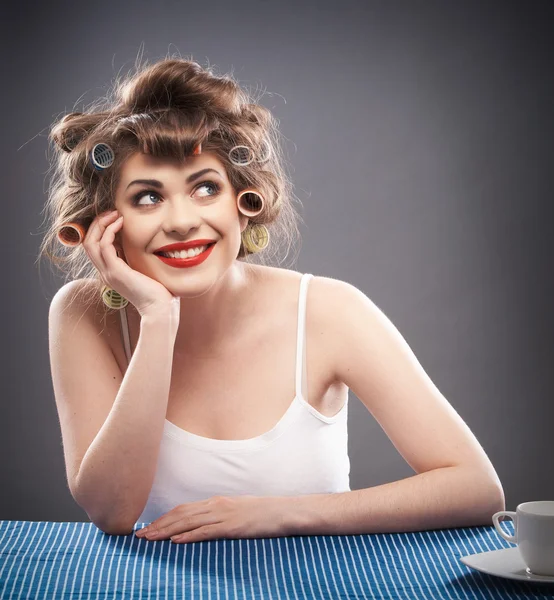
point(49, 560)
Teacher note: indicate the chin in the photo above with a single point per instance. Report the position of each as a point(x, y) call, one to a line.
point(189, 287)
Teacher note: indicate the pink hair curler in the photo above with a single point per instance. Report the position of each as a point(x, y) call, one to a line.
point(246, 199)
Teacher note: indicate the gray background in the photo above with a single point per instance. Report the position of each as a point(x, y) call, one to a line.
point(420, 137)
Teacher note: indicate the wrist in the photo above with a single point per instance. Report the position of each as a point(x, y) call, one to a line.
point(159, 320)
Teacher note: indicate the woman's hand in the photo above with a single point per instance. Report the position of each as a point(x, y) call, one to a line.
point(147, 295)
point(227, 517)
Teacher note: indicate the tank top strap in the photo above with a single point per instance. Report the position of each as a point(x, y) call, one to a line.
point(301, 337)
point(125, 333)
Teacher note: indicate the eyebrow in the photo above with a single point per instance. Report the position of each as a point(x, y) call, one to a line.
point(158, 184)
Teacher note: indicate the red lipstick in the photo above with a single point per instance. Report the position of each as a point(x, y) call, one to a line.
point(187, 262)
point(184, 245)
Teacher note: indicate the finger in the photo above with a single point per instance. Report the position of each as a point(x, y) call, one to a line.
point(164, 521)
point(107, 248)
point(207, 532)
point(178, 514)
point(94, 235)
point(180, 525)
point(98, 226)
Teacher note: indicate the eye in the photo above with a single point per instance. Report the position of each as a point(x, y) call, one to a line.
point(142, 194)
point(210, 184)
point(206, 184)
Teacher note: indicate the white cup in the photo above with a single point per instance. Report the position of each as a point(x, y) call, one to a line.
point(534, 534)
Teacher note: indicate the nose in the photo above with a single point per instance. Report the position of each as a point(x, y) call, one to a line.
point(181, 214)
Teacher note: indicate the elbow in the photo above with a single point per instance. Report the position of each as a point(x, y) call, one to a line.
point(499, 499)
point(114, 528)
point(497, 496)
point(484, 495)
point(492, 498)
point(491, 506)
point(117, 530)
point(120, 527)
point(115, 524)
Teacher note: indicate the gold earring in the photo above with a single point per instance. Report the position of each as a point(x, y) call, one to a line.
point(255, 238)
point(113, 299)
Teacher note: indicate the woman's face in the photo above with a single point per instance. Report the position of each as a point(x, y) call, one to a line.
point(184, 206)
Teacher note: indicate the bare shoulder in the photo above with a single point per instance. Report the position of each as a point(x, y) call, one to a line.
point(327, 299)
point(328, 291)
point(79, 299)
point(318, 283)
point(324, 294)
point(333, 298)
point(342, 309)
point(70, 296)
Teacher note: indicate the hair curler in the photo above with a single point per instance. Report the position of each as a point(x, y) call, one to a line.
point(102, 156)
point(241, 156)
point(71, 234)
point(249, 198)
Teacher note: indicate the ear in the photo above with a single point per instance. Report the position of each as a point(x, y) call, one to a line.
point(243, 220)
point(118, 247)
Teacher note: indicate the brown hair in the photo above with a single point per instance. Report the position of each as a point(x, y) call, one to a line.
point(165, 109)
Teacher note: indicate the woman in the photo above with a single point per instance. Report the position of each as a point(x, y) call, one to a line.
point(174, 374)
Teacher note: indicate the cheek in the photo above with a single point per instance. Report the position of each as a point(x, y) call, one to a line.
point(133, 249)
point(134, 235)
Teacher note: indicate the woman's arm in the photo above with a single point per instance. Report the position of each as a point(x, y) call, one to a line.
point(455, 483)
point(117, 471)
point(374, 360)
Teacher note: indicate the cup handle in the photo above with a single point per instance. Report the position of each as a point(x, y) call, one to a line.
point(506, 536)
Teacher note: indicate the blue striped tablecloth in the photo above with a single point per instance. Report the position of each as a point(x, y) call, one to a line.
point(43, 560)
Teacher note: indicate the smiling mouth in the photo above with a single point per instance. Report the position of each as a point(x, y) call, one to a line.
point(208, 246)
point(192, 261)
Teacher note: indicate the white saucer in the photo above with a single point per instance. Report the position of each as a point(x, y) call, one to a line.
point(504, 563)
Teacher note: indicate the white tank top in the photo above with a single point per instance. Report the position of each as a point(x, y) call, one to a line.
point(304, 453)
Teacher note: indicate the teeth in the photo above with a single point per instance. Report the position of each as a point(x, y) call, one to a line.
point(185, 253)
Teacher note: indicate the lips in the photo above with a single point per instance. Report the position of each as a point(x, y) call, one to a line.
point(184, 245)
point(170, 249)
point(187, 262)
